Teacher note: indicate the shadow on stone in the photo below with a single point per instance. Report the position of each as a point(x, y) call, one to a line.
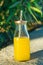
point(36, 34)
point(37, 54)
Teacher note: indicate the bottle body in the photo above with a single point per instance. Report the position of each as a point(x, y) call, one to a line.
point(22, 46)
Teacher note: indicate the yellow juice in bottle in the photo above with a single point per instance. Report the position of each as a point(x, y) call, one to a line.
point(21, 48)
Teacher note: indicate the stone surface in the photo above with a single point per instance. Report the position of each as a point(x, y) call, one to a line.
point(36, 50)
point(36, 47)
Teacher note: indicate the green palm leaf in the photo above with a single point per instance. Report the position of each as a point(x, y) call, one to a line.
point(15, 4)
point(33, 15)
point(36, 9)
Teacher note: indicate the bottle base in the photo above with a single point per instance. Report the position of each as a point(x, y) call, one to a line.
point(21, 60)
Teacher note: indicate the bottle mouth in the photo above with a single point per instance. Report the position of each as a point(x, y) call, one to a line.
point(21, 22)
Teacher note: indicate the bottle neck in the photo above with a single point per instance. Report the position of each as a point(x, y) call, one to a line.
point(21, 30)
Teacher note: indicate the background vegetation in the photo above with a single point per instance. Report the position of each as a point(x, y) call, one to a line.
point(10, 11)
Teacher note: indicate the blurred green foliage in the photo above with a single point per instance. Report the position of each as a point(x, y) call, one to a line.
point(10, 11)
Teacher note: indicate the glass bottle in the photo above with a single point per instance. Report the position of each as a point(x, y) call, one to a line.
point(21, 42)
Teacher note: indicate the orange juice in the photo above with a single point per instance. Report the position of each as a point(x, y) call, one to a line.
point(21, 48)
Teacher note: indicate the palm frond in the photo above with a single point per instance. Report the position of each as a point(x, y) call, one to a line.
point(36, 9)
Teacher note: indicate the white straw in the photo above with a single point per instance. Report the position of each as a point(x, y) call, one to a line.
point(21, 15)
point(20, 21)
